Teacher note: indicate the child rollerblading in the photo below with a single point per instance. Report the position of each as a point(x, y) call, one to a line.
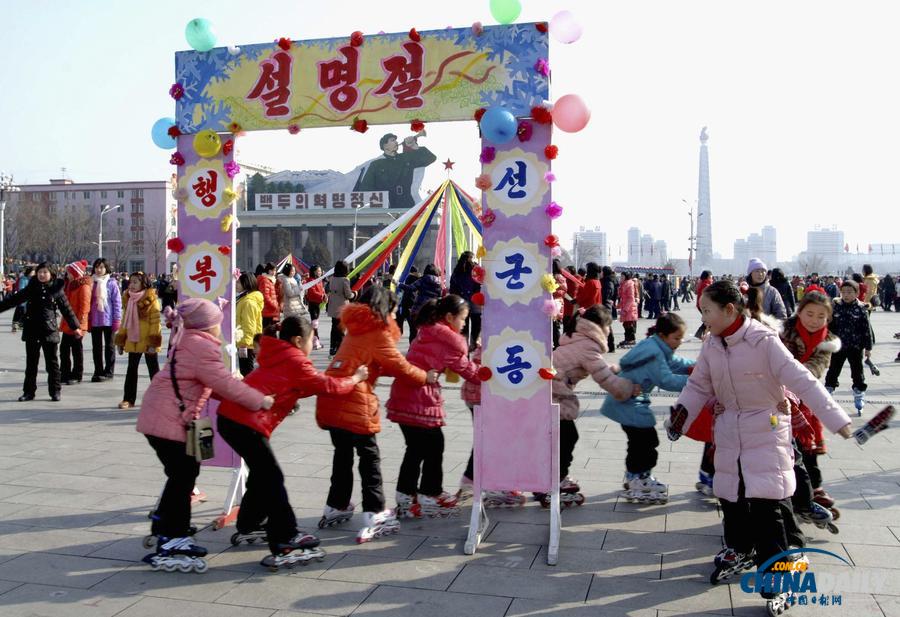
point(730, 563)
point(376, 525)
point(851, 324)
point(332, 517)
point(177, 554)
point(301, 549)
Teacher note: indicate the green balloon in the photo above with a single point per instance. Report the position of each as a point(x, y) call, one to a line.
point(506, 11)
point(199, 34)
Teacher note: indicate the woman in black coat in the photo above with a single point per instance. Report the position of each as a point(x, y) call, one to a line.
point(463, 285)
point(46, 300)
point(779, 281)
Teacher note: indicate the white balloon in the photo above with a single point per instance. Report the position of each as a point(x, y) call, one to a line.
point(565, 28)
point(234, 50)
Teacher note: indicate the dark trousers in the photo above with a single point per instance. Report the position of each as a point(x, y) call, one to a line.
point(424, 457)
point(752, 523)
point(630, 328)
point(707, 461)
point(71, 350)
point(366, 448)
point(568, 437)
point(268, 321)
point(811, 462)
point(103, 351)
point(131, 377)
point(675, 303)
point(557, 331)
point(641, 455)
point(172, 517)
point(265, 497)
point(471, 464)
point(245, 365)
point(652, 308)
point(855, 357)
point(33, 351)
point(337, 335)
point(610, 342)
point(472, 329)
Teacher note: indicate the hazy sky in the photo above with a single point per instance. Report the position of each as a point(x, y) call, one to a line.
point(801, 100)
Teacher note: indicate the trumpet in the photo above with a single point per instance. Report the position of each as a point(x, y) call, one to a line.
point(413, 140)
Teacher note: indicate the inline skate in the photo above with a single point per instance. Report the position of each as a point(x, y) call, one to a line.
point(729, 562)
point(405, 505)
point(569, 494)
point(826, 501)
point(646, 489)
point(301, 549)
point(819, 516)
point(704, 485)
point(332, 517)
point(377, 524)
point(250, 537)
point(879, 423)
point(177, 554)
point(859, 400)
point(439, 506)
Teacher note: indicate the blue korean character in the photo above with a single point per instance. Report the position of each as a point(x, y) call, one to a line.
point(515, 273)
point(515, 366)
point(515, 178)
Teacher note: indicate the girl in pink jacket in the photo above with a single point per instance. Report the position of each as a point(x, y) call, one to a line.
point(194, 372)
point(420, 410)
point(744, 365)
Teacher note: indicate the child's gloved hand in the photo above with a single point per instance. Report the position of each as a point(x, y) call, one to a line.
point(675, 424)
point(267, 402)
point(432, 377)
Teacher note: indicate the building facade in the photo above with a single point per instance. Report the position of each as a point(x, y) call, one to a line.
point(590, 245)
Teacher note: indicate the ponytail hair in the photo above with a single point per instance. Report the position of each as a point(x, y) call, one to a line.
point(725, 292)
point(755, 303)
point(288, 328)
point(597, 314)
point(666, 325)
point(434, 310)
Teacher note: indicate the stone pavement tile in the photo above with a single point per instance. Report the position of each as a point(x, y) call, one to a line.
point(134, 523)
point(246, 558)
point(526, 533)
point(5, 586)
point(59, 517)
point(852, 605)
point(453, 528)
point(854, 534)
point(128, 548)
point(154, 607)
point(286, 591)
point(7, 462)
point(600, 518)
point(100, 461)
point(62, 570)
point(141, 580)
point(611, 593)
point(700, 523)
point(890, 605)
point(501, 555)
point(396, 546)
point(411, 573)
point(60, 541)
point(601, 563)
point(832, 577)
point(540, 608)
point(85, 499)
point(867, 556)
point(12, 490)
point(7, 509)
point(409, 602)
point(8, 553)
point(39, 600)
point(665, 543)
point(519, 583)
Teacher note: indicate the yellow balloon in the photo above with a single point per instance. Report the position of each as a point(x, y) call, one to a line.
point(207, 143)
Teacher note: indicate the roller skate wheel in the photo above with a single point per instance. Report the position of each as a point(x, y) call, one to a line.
point(170, 567)
point(545, 501)
point(833, 528)
point(154, 566)
point(835, 513)
point(716, 577)
point(149, 541)
point(323, 522)
point(185, 567)
point(235, 539)
point(201, 567)
point(579, 499)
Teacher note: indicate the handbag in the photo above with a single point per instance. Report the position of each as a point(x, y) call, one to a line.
point(199, 438)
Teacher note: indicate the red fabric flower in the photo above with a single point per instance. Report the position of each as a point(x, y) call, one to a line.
point(284, 43)
point(478, 274)
point(177, 159)
point(483, 182)
point(360, 125)
point(176, 91)
point(487, 154)
point(488, 218)
point(524, 131)
point(227, 147)
point(551, 240)
point(175, 244)
point(415, 36)
point(541, 115)
point(234, 128)
point(477, 28)
point(551, 152)
point(478, 298)
point(174, 132)
point(547, 373)
point(225, 250)
point(485, 373)
point(541, 26)
point(417, 125)
point(479, 112)
point(356, 39)
point(293, 129)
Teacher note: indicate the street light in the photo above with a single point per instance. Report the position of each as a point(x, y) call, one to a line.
point(692, 239)
point(7, 186)
point(106, 210)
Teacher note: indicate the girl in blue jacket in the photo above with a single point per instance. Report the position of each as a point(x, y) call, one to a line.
point(652, 363)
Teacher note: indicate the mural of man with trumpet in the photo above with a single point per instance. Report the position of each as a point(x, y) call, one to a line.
point(394, 171)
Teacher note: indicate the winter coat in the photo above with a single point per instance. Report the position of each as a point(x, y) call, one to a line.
point(315, 294)
point(654, 290)
point(464, 286)
point(850, 323)
point(112, 316)
point(373, 343)
point(409, 296)
point(832, 291)
point(747, 377)
point(200, 372)
point(426, 288)
point(470, 391)
point(287, 374)
point(818, 362)
point(271, 303)
point(41, 317)
point(589, 294)
point(435, 347)
point(651, 363)
point(608, 291)
point(577, 357)
point(871, 281)
point(628, 301)
point(148, 316)
point(701, 285)
point(339, 294)
point(569, 304)
point(292, 304)
point(248, 318)
point(772, 303)
point(78, 293)
point(787, 296)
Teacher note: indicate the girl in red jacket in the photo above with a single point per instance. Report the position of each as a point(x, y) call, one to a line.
point(589, 293)
point(285, 373)
point(420, 410)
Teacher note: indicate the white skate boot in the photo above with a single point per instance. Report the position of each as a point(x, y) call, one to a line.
point(333, 516)
point(646, 489)
point(405, 505)
point(377, 524)
point(439, 506)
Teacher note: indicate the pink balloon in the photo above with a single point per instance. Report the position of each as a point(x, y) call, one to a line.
point(570, 114)
point(565, 28)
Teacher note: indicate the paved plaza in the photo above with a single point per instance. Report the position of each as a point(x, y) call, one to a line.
point(77, 482)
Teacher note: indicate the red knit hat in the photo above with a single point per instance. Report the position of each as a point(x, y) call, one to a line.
point(77, 268)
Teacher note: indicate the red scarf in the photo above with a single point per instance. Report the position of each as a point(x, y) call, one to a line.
point(810, 340)
point(734, 327)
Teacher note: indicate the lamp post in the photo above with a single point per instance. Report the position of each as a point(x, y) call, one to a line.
point(106, 210)
point(7, 186)
point(692, 239)
point(355, 215)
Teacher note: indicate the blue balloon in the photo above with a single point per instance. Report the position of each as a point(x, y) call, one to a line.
point(199, 34)
point(498, 125)
point(160, 133)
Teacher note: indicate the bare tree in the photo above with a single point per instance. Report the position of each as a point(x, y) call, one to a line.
point(156, 242)
point(810, 263)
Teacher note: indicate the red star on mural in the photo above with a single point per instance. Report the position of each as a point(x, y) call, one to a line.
point(448, 164)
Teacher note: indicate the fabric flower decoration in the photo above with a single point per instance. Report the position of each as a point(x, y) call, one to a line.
point(225, 250)
point(477, 28)
point(547, 373)
point(234, 50)
point(226, 222)
point(556, 251)
point(360, 125)
point(483, 182)
point(541, 27)
point(485, 373)
point(551, 152)
point(293, 129)
point(542, 67)
point(549, 283)
point(356, 39)
point(176, 244)
point(478, 273)
point(551, 240)
point(414, 35)
point(549, 177)
point(487, 154)
point(488, 218)
point(284, 43)
point(481, 252)
point(227, 147)
point(229, 195)
point(181, 194)
point(177, 159)
point(234, 128)
point(553, 210)
point(176, 91)
point(541, 115)
point(550, 307)
point(236, 274)
point(417, 125)
point(174, 132)
point(478, 298)
point(524, 131)
point(232, 169)
point(479, 113)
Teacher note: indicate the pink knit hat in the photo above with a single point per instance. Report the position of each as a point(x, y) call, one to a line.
point(192, 314)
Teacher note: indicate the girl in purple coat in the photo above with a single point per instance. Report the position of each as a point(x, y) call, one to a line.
point(104, 320)
point(420, 410)
point(745, 366)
